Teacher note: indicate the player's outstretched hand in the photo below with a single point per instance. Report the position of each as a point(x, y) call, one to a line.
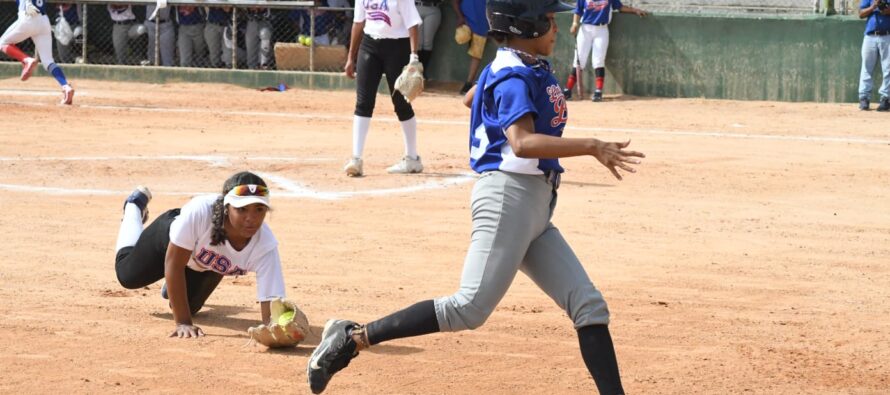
point(612, 155)
point(186, 330)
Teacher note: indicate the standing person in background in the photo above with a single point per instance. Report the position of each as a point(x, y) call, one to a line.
point(258, 37)
point(217, 19)
point(431, 15)
point(33, 23)
point(233, 40)
point(592, 17)
point(191, 35)
point(167, 33)
point(875, 48)
point(384, 40)
point(472, 14)
point(124, 29)
point(65, 43)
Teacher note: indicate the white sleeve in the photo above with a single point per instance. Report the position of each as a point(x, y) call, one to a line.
point(409, 14)
point(269, 279)
point(359, 16)
point(187, 228)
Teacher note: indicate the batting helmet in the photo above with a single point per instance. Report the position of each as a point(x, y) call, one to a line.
point(522, 18)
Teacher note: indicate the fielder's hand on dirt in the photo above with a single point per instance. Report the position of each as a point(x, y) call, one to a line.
point(187, 330)
point(613, 155)
point(287, 328)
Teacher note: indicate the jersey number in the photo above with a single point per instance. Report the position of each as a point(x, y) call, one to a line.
point(476, 151)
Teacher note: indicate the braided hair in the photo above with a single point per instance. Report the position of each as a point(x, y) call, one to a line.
point(218, 233)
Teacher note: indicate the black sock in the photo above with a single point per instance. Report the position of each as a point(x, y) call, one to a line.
point(419, 319)
point(599, 356)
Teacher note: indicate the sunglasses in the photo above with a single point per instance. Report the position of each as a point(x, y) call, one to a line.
point(249, 190)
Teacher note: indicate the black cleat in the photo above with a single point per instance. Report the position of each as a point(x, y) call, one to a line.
point(885, 104)
point(864, 103)
point(140, 197)
point(333, 354)
point(597, 96)
point(567, 93)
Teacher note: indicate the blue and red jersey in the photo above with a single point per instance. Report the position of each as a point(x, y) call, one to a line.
point(596, 12)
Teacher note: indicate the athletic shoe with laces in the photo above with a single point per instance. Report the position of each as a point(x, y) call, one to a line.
point(140, 197)
point(67, 95)
point(885, 104)
point(567, 93)
point(864, 103)
point(354, 167)
point(28, 67)
point(336, 349)
point(406, 166)
point(597, 96)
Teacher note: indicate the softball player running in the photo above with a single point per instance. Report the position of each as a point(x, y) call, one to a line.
point(517, 118)
point(593, 17)
point(384, 39)
point(194, 247)
point(33, 23)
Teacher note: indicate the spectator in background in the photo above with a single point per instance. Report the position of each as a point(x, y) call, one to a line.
point(875, 47)
point(258, 37)
point(217, 19)
point(65, 40)
point(167, 33)
point(324, 22)
point(341, 22)
point(191, 35)
point(472, 14)
point(125, 29)
point(233, 40)
point(431, 15)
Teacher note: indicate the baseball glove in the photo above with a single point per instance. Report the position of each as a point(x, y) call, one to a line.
point(462, 34)
point(410, 82)
point(287, 331)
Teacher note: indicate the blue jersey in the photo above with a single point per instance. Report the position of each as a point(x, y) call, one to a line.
point(596, 12)
point(22, 5)
point(507, 90)
point(474, 13)
point(876, 21)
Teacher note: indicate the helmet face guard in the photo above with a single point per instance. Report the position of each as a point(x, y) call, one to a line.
point(522, 18)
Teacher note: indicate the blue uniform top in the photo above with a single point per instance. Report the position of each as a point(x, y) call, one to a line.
point(22, 5)
point(218, 16)
point(70, 14)
point(474, 13)
point(507, 90)
point(596, 12)
point(189, 15)
point(876, 21)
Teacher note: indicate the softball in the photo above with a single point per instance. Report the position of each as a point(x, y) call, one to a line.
point(283, 319)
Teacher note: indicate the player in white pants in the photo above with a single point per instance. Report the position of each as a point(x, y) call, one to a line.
point(34, 24)
point(591, 25)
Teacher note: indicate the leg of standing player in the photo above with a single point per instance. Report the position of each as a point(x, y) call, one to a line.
point(368, 71)
point(44, 46)
point(583, 46)
point(19, 31)
point(395, 55)
point(598, 58)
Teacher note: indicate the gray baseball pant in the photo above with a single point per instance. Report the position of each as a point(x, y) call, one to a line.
point(432, 18)
point(511, 232)
point(120, 38)
point(213, 36)
point(167, 43)
point(191, 43)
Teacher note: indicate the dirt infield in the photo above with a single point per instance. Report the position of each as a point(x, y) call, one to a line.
point(748, 255)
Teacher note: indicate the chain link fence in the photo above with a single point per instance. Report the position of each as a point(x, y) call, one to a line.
point(748, 7)
point(291, 35)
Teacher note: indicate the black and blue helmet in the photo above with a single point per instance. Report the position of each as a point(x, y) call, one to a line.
point(522, 18)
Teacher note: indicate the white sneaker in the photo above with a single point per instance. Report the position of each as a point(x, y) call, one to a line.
point(406, 165)
point(67, 95)
point(354, 167)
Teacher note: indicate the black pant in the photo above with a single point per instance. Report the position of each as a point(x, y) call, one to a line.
point(143, 264)
point(375, 58)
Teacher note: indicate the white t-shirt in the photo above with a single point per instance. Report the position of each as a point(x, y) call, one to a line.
point(192, 229)
point(386, 18)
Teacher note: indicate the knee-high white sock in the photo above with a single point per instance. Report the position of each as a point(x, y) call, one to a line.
point(409, 130)
point(360, 127)
point(131, 227)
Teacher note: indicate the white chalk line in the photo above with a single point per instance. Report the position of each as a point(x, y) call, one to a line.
point(213, 160)
point(288, 188)
point(464, 123)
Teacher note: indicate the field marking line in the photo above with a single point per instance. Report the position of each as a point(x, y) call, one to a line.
point(349, 118)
